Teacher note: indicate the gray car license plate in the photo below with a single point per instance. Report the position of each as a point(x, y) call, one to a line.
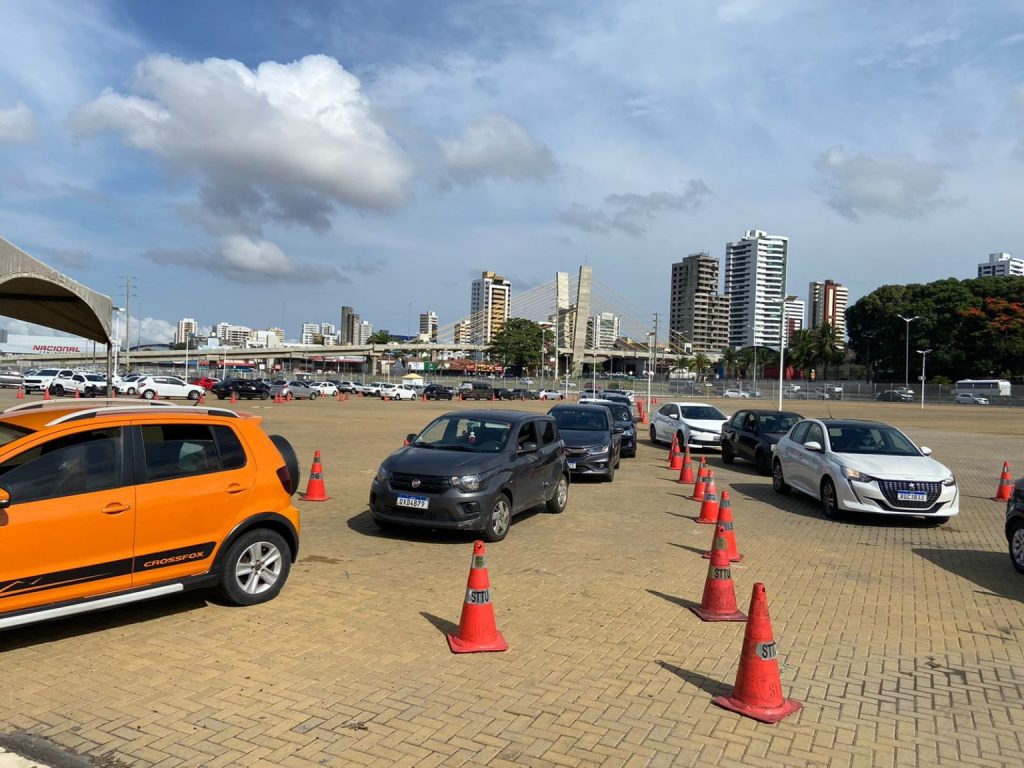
point(572, 465)
point(416, 502)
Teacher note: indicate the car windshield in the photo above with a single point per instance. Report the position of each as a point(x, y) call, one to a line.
point(620, 412)
point(698, 412)
point(94, 377)
point(464, 433)
point(9, 433)
point(778, 423)
point(875, 439)
point(581, 419)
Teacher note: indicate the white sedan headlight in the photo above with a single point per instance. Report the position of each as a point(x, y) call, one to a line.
point(853, 474)
point(950, 479)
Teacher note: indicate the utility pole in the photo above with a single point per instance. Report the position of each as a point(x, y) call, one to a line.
point(128, 285)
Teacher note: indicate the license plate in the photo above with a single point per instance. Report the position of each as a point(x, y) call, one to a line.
point(911, 496)
point(416, 502)
point(572, 465)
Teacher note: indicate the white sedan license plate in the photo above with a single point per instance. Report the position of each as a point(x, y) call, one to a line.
point(416, 502)
point(572, 465)
point(911, 496)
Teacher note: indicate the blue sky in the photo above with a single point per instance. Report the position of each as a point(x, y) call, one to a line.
point(264, 163)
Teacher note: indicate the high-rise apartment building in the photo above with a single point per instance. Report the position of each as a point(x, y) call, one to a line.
point(270, 337)
point(187, 328)
point(793, 316)
point(345, 328)
point(232, 335)
point(602, 331)
point(826, 303)
point(1001, 265)
point(309, 333)
point(460, 332)
point(698, 313)
point(490, 305)
point(755, 276)
point(428, 326)
point(362, 332)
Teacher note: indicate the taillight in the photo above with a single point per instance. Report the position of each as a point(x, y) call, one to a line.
point(286, 479)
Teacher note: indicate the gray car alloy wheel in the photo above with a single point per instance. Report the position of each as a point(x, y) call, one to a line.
point(259, 567)
point(500, 520)
point(829, 500)
point(1017, 548)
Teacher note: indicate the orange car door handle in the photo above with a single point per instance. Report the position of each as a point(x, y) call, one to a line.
point(115, 508)
point(235, 488)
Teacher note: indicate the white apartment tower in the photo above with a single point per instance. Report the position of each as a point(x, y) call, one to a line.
point(232, 335)
point(490, 305)
point(755, 279)
point(793, 316)
point(602, 331)
point(187, 328)
point(698, 313)
point(310, 331)
point(428, 326)
point(826, 303)
point(1001, 265)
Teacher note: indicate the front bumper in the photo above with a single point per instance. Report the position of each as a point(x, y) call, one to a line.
point(587, 465)
point(871, 497)
point(451, 509)
point(706, 440)
point(629, 445)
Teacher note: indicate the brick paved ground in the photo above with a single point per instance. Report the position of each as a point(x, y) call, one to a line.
point(904, 641)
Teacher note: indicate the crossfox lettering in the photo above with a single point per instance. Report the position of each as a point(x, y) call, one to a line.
point(175, 559)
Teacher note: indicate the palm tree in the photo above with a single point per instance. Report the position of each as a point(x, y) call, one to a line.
point(825, 348)
point(730, 359)
point(701, 362)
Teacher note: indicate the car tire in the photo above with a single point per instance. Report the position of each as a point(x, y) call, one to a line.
point(654, 435)
point(610, 475)
point(130, 391)
point(728, 457)
point(829, 500)
point(499, 520)
point(560, 498)
point(263, 396)
point(193, 395)
point(778, 481)
point(58, 390)
point(255, 567)
point(149, 394)
point(1016, 545)
point(762, 462)
point(312, 395)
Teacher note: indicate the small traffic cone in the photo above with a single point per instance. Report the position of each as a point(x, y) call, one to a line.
point(477, 628)
point(700, 484)
point(234, 396)
point(719, 600)
point(78, 395)
point(758, 690)
point(202, 399)
point(46, 394)
point(709, 505)
point(675, 457)
point(315, 490)
point(686, 471)
point(1004, 491)
point(725, 523)
point(339, 397)
point(21, 393)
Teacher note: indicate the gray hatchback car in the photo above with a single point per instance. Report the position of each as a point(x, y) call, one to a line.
point(472, 471)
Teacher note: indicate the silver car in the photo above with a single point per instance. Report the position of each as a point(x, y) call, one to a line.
point(294, 390)
point(11, 378)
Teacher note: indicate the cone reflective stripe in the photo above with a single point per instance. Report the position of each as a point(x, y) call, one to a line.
point(709, 505)
point(1005, 489)
point(699, 486)
point(758, 690)
point(725, 523)
point(686, 471)
point(315, 490)
point(719, 600)
point(478, 631)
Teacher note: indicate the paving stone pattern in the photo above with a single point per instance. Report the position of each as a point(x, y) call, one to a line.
point(903, 640)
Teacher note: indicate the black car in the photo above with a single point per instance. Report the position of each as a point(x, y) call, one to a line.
point(503, 393)
point(438, 392)
point(593, 441)
point(1015, 525)
point(623, 415)
point(894, 396)
point(524, 394)
point(244, 389)
point(472, 471)
point(752, 435)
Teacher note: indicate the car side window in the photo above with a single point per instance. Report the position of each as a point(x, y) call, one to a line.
point(665, 410)
point(814, 434)
point(179, 450)
point(232, 454)
point(750, 425)
point(547, 432)
point(737, 421)
point(799, 431)
point(82, 462)
point(527, 434)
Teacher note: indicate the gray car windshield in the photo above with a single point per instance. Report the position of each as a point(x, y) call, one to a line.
point(462, 433)
point(885, 441)
point(580, 419)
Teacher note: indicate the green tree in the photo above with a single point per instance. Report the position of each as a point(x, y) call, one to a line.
point(517, 344)
point(701, 362)
point(730, 361)
point(380, 337)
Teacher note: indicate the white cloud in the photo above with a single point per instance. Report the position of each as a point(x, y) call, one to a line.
point(284, 140)
point(146, 330)
point(17, 124)
point(496, 146)
point(896, 185)
point(631, 213)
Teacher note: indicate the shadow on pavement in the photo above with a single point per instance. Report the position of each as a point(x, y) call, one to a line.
point(695, 550)
point(991, 571)
point(443, 625)
point(707, 684)
point(680, 601)
point(364, 524)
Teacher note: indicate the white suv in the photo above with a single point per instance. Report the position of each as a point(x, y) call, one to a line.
point(57, 380)
point(149, 387)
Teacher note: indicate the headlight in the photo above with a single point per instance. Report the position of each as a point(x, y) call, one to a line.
point(467, 482)
point(627, 432)
point(853, 474)
point(383, 475)
point(597, 450)
point(949, 480)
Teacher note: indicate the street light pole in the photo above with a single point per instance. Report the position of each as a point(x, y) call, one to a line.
point(906, 371)
point(753, 379)
point(924, 358)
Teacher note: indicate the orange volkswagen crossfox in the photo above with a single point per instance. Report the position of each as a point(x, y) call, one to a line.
point(106, 504)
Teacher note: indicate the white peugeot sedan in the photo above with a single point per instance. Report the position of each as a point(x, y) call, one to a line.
point(698, 425)
point(863, 466)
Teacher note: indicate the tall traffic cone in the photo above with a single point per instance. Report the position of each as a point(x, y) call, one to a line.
point(477, 628)
point(758, 690)
point(234, 396)
point(78, 395)
point(686, 471)
point(21, 393)
point(1004, 491)
point(699, 485)
point(315, 490)
point(719, 600)
point(339, 396)
point(725, 523)
point(46, 394)
point(709, 505)
point(675, 458)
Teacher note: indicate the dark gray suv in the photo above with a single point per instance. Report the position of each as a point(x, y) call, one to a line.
point(593, 440)
point(472, 471)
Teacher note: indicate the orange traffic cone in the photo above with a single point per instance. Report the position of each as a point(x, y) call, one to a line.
point(1004, 491)
point(46, 394)
point(234, 396)
point(675, 457)
point(699, 485)
point(202, 399)
point(78, 395)
point(758, 690)
point(709, 505)
point(719, 601)
point(686, 471)
point(725, 523)
point(339, 397)
point(315, 490)
point(21, 393)
point(477, 628)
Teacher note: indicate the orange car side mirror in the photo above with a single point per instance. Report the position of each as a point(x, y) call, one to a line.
point(5, 499)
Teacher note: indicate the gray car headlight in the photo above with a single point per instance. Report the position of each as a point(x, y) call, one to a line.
point(597, 450)
point(628, 432)
point(383, 475)
point(467, 482)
